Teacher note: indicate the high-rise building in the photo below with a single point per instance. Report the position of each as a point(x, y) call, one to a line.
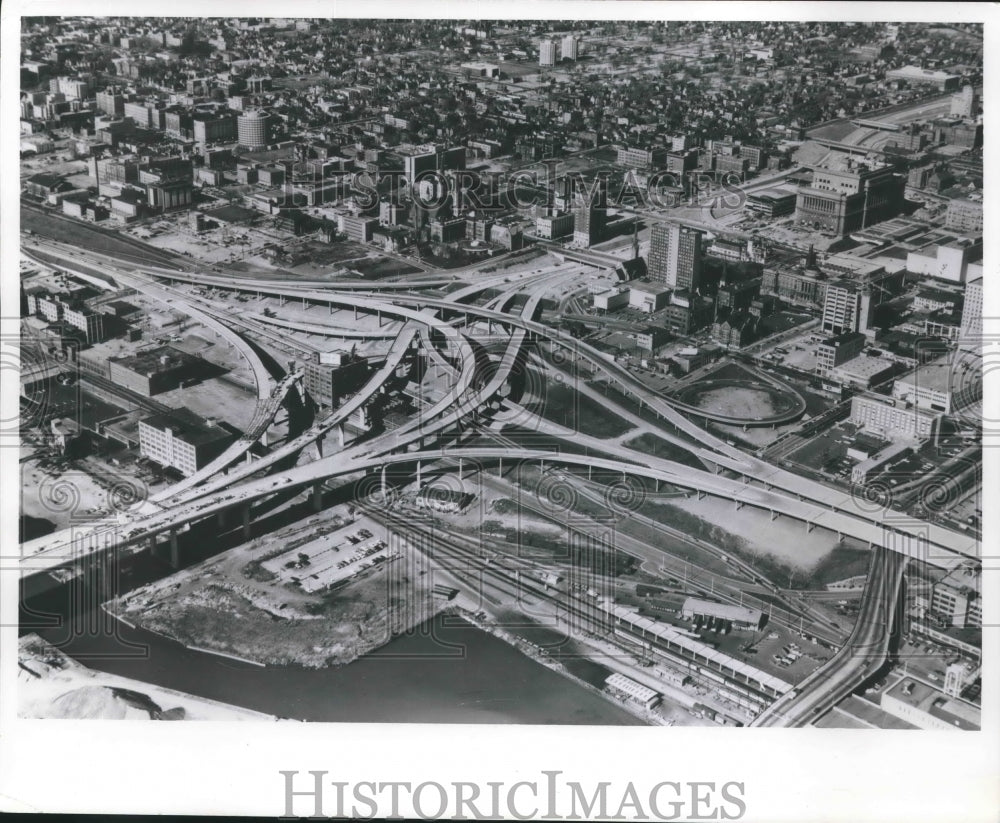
point(590, 214)
point(421, 159)
point(254, 129)
point(547, 53)
point(214, 127)
point(675, 256)
point(111, 101)
point(972, 311)
point(570, 47)
point(847, 308)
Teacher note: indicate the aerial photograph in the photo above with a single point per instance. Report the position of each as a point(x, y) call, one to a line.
point(566, 372)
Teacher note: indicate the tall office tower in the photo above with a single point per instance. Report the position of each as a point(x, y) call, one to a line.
point(841, 309)
point(570, 47)
point(590, 214)
point(547, 53)
point(675, 256)
point(254, 129)
point(972, 311)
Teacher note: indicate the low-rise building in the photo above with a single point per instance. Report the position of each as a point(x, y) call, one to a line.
point(554, 224)
point(157, 370)
point(932, 386)
point(643, 695)
point(893, 419)
point(648, 297)
point(862, 472)
point(612, 299)
point(835, 351)
point(740, 617)
point(928, 708)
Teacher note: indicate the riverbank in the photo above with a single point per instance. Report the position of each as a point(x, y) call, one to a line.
point(52, 685)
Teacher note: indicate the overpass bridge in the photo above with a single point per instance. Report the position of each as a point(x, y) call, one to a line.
point(857, 660)
point(711, 447)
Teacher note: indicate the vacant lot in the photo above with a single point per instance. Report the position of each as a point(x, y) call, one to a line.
point(562, 405)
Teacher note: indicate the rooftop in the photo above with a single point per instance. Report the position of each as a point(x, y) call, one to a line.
point(938, 375)
point(159, 359)
point(927, 699)
point(188, 426)
point(726, 611)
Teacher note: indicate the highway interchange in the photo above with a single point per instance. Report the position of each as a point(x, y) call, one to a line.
point(450, 331)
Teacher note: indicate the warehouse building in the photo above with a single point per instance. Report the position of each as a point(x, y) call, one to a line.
point(628, 687)
point(157, 370)
point(717, 614)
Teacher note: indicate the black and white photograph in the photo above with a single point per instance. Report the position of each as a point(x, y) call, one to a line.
point(602, 372)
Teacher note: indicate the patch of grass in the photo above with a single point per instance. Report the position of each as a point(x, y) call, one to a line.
point(664, 449)
point(843, 562)
point(569, 408)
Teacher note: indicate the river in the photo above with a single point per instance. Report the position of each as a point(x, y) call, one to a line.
point(444, 671)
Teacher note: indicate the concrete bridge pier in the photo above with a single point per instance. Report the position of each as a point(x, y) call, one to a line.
point(249, 458)
point(245, 511)
point(420, 479)
point(263, 439)
point(774, 515)
point(220, 518)
point(175, 550)
point(738, 504)
point(317, 497)
point(460, 471)
point(385, 488)
point(701, 494)
point(810, 526)
point(341, 436)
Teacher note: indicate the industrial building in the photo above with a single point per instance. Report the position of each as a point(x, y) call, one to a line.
point(329, 376)
point(157, 370)
point(182, 440)
point(713, 613)
point(643, 695)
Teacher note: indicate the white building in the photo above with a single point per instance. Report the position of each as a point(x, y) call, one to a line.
point(547, 53)
point(636, 691)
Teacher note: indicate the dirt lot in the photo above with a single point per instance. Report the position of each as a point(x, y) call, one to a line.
point(232, 604)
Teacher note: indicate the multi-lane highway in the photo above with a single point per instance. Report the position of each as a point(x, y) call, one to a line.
point(857, 660)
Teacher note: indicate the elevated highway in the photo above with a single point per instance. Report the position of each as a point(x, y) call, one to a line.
point(858, 660)
point(725, 456)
